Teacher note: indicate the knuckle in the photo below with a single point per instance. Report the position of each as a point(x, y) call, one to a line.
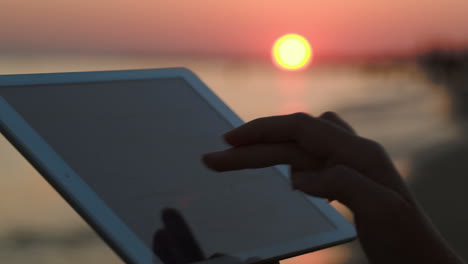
point(301, 120)
point(301, 116)
point(336, 120)
point(330, 114)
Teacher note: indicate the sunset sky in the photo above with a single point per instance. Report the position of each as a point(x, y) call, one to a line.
point(240, 27)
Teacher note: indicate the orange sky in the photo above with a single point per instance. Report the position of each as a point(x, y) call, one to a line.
point(334, 27)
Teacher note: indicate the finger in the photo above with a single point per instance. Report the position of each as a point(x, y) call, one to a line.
point(182, 236)
point(260, 156)
point(318, 137)
point(267, 129)
point(312, 133)
point(337, 120)
point(340, 183)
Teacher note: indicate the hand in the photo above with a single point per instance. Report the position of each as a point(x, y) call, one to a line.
point(329, 160)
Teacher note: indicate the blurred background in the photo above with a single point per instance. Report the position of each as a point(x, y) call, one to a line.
point(396, 70)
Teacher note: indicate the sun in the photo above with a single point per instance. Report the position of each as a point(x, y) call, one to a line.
point(292, 52)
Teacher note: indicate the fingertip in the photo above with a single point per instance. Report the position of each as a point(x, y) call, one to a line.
point(329, 114)
point(205, 158)
point(209, 160)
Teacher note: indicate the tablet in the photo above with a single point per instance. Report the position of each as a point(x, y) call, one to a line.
point(121, 146)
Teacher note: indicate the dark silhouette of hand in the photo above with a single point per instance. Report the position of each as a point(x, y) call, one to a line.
point(329, 160)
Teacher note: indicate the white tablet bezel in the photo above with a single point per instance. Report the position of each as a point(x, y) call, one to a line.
point(87, 203)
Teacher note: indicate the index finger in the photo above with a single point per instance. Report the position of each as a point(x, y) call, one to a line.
point(316, 136)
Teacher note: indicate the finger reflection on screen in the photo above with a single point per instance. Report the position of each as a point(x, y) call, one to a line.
point(175, 243)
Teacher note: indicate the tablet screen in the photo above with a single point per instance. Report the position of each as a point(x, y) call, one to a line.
point(138, 145)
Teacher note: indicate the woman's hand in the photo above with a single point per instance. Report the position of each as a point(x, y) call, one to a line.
point(329, 160)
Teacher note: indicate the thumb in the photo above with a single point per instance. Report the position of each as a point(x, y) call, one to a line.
point(339, 183)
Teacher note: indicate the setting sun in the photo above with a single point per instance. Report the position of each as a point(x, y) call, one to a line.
point(292, 52)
